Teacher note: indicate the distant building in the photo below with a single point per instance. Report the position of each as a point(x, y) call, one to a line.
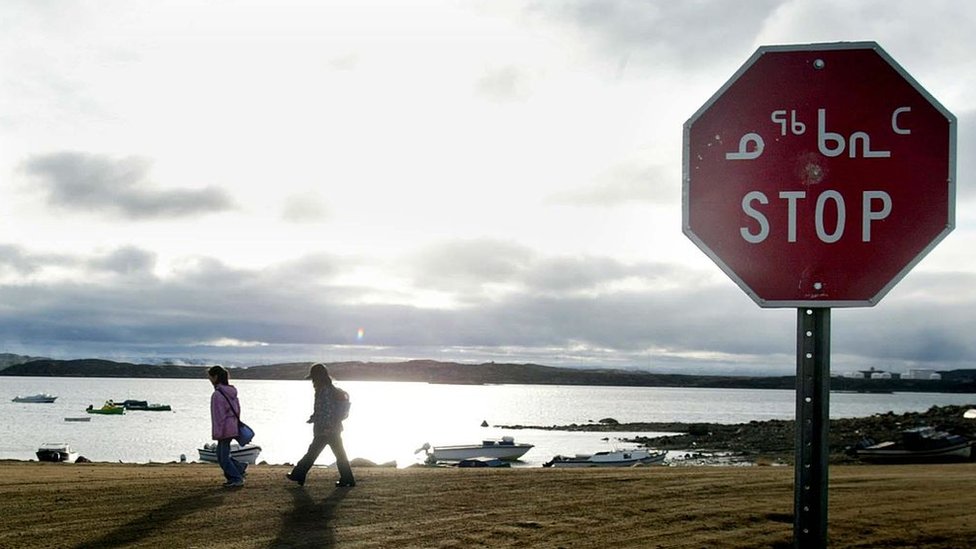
point(874, 373)
point(922, 373)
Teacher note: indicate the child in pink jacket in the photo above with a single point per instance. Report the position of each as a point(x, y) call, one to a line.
point(225, 410)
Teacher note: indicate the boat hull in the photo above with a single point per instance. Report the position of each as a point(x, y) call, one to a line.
point(507, 452)
point(616, 459)
point(143, 406)
point(41, 399)
point(247, 454)
point(150, 408)
point(483, 462)
point(55, 453)
point(889, 453)
point(107, 411)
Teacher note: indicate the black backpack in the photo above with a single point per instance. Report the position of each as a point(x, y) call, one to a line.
point(340, 403)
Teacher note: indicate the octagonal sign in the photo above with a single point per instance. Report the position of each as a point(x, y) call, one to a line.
point(819, 175)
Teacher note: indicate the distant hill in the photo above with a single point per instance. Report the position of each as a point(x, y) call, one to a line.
point(91, 367)
point(431, 371)
point(8, 359)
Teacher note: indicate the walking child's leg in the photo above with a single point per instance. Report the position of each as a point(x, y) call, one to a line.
point(342, 461)
point(314, 449)
point(227, 464)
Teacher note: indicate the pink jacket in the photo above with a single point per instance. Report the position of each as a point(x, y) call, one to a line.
point(223, 422)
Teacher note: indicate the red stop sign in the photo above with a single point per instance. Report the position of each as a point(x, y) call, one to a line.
point(818, 175)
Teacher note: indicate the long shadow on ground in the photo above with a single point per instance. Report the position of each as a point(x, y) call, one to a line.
point(155, 519)
point(310, 523)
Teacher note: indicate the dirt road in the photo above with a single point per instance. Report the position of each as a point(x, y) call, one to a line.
point(163, 506)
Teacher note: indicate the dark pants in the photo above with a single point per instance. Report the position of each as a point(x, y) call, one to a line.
point(332, 439)
point(233, 469)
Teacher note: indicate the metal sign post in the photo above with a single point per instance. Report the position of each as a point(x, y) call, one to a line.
point(812, 427)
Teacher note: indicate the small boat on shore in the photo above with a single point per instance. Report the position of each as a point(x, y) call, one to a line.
point(919, 445)
point(42, 398)
point(246, 454)
point(56, 452)
point(615, 458)
point(505, 449)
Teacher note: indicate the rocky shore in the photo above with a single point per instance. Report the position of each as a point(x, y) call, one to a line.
point(773, 441)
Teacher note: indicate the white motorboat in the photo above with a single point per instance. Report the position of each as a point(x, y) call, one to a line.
point(918, 445)
point(56, 451)
point(246, 454)
point(41, 398)
point(505, 448)
point(615, 458)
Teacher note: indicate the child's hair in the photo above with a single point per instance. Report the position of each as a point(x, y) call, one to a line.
point(220, 373)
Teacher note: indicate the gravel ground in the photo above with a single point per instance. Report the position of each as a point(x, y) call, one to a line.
point(183, 505)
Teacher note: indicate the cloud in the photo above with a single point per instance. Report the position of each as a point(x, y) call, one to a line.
point(231, 342)
point(127, 260)
point(93, 183)
point(465, 266)
point(627, 184)
point(504, 84)
point(305, 208)
point(17, 260)
point(644, 35)
point(966, 155)
point(557, 309)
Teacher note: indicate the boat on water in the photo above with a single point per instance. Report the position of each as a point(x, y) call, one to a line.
point(610, 458)
point(109, 408)
point(245, 454)
point(143, 405)
point(43, 398)
point(56, 452)
point(88, 418)
point(918, 445)
point(504, 448)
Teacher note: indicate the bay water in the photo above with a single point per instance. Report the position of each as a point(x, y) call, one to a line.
point(388, 420)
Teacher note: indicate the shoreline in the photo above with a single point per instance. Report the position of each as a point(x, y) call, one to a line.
point(772, 441)
point(769, 442)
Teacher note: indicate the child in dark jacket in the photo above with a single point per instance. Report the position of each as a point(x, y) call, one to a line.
point(326, 420)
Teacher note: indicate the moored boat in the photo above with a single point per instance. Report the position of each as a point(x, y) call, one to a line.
point(43, 398)
point(158, 408)
point(246, 454)
point(55, 452)
point(109, 408)
point(505, 448)
point(615, 458)
point(144, 406)
point(919, 445)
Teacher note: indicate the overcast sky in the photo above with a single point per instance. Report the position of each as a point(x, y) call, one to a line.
point(261, 181)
